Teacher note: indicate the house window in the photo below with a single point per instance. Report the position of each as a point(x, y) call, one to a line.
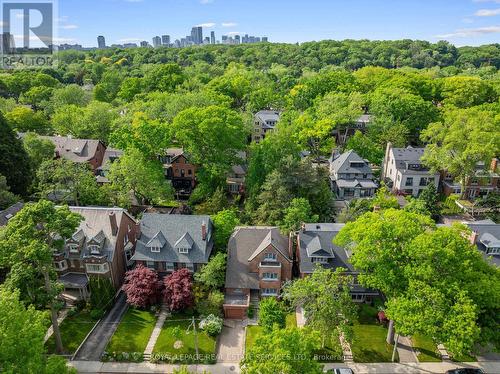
point(97, 268)
point(270, 276)
point(61, 265)
point(73, 248)
point(94, 249)
point(150, 264)
point(183, 250)
point(125, 240)
point(169, 266)
point(269, 256)
point(493, 251)
point(409, 181)
point(155, 249)
point(358, 297)
point(128, 255)
point(269, 291)
point(322, 260)
point(190, 172)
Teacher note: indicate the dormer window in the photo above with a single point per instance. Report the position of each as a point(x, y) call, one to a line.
point(94, 249)
point(155, 249)
point(73, 248)
point(183, 250)
point(320, 260)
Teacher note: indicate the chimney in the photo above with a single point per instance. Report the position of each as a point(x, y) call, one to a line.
point(138, 230)
point(203, 231)
point(112, 222)
point(494, 164)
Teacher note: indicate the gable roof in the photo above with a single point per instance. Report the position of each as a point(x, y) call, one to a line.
point(241, 246)
point(488, 234)
point(76, 150)
point(342, 164)
point(10, 212)
point(267, 115)
point(275, 239)
point(170, 231)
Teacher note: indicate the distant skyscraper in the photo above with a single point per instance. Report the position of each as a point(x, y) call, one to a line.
point(197, 35)
point(144, 44)
point(237, 39)
point(165, 40)
point(265, 39)
point(206, 40)
point(8, 43)
point(101, 42)
point(212, 37)
point(156, 41)
point(224, 39)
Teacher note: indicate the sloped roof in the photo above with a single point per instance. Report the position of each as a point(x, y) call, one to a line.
point(158, 240)
point(184, 242)
point(10, 212)
point(76, 150)
point(268, 115)
point(173, 228)
point(243, 244)
point(342, 164)
point(275, 239)
point(488, 233)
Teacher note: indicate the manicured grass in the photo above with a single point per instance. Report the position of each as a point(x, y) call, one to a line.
point(186, 352)
point(426, 347)
point(73, 330)
point(369, 343)
point(133, 332)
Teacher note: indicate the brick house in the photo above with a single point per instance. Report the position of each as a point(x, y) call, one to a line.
point(179, 170)
point(485, 181)
point(259, 262)
point(102, 246)
point(168, 242)
point(79, 150)
point(315, 247)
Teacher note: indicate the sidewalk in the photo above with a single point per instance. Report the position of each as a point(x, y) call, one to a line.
point(61, 318)
point(156, 331)
point(405, 350)
point(490, 367)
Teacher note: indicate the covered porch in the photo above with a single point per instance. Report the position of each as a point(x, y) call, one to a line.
point(75, 287)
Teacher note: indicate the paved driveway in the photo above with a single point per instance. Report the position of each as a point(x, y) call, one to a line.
point(231, 342)
point(97, 341)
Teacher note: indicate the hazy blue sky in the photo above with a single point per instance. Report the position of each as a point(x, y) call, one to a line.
point(463, 22)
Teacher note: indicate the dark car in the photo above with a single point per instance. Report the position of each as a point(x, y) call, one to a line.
point(340, 371)
point(466, 371)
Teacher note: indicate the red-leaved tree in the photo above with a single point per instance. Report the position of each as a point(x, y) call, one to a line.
point(141, 286)
point(178, 291)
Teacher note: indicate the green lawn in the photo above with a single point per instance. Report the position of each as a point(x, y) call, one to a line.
point(369, 343)
point(73, 330)
point(133, 332)
point(426, 347)
point(186, 352)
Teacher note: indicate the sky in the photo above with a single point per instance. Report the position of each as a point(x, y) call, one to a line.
point(462, 22)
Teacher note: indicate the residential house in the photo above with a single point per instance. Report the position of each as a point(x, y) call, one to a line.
point(484, 181)
point(264, 121)
point(315, 247)
point(179, 170)
point(351, 176)
point(169, 242)
point(78, 150)
point(486, 236)
point(7, 214)
point(343, 133)
point(102, 246)
point(235, 180)
point(259, 261)
point(404, 172)
point(110, 156)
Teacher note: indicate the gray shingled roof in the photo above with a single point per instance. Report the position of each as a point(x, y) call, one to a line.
point(10, 212)
point(487, 231)
point(342, 164)
point(267, 115)
point(76, 150)
point(173, 228)
point(242, 245)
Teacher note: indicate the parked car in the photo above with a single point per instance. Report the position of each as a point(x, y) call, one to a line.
point(340, 371)
point(465, 371)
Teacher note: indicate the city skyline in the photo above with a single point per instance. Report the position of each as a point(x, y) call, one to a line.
point(462, 22)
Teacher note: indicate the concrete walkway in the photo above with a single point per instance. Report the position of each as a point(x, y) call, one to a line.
point(346, 349)
point(93, 348)
point(230, 368)
point(299, 316)
point(61, 318)
point(405, 350)
point(231, 343)
point(156, 331)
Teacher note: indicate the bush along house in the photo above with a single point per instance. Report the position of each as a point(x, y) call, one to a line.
point(168, 242)
point(102, 246)
point(259, 261)
point(315, 246)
